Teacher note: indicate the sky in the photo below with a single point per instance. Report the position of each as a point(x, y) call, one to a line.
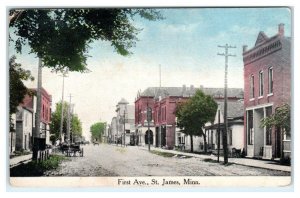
point(184, 44)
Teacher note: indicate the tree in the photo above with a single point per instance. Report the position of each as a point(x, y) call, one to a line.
point(97, 130)
point(61, 37)
point(17, 89)
point(76, 126)
point(281, 119)
point(194, 113)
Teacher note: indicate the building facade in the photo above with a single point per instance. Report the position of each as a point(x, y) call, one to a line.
point(124, 121)
point(24, 123)
point(46, 102)
point(267, 74)
point(235, 133)
point(24, 120)
point(163, 102)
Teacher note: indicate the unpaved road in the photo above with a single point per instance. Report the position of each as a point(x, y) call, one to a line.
point(112, 160)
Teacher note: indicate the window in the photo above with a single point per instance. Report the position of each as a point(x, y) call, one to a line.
point(261, 83)
point(270, 74)
point(252, 86)
point(26, 118)
point(165, 113)
point(178, 138)
point(229, 137)
point(250, 127)
point(268, 130)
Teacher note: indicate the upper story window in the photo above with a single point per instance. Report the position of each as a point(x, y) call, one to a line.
point(270, 75)
point(261, 83)
point(252, 86)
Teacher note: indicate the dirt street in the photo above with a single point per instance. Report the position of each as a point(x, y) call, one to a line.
point(112, 160)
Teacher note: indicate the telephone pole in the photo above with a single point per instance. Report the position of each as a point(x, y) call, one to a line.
point(36, 133)
point(64, 74)
point(69, 121)
point(224, 137)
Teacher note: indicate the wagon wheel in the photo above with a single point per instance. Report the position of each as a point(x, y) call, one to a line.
point(81, 152)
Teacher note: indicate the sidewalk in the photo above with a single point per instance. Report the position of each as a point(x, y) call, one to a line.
point(19, 159)
point(267, 164)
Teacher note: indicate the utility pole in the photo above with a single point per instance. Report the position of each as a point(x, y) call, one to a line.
point(149, 118)
point(69, 121)
point(38, 112)
point(38, 100)
point(218, 134)
point(64, 74)
point(124, 129)
point(225, 148)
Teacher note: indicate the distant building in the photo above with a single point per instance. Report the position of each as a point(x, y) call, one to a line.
point(125, 122)
point(113, 130)
point(163, 101)
point(267, 81)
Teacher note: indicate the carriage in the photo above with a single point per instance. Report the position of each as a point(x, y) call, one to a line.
point(72, 150)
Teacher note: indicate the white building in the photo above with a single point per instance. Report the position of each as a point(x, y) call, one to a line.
point(235, 134)
point(24, 125)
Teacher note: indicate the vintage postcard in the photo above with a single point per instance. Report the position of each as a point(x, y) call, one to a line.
point(150, 98)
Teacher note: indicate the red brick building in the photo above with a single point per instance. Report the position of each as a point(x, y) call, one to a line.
point(267, 74)
point(30, 102)
point(163, 101)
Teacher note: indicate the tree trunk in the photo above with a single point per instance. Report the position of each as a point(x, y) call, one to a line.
point(192, 146)
point(205, 143)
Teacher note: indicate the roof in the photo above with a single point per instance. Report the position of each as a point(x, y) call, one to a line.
point(234, 108)
point(123, 101)
point(190, 91)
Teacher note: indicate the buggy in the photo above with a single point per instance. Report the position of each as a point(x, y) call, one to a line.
point(72, 150)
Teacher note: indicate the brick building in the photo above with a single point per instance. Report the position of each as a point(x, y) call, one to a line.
point(46, 100)
point(267, 74)
point(25, 121)
point(163, 101)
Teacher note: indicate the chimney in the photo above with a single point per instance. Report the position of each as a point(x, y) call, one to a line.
point(281, 29)
point(245, 48)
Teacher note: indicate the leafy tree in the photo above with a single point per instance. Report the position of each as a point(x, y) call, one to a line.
point(17, 89)
point(61, 37)
point(97, 130)
point(194, 113)
point(281, 119)
point(76, 126)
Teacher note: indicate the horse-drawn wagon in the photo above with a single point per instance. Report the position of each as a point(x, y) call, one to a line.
point(72, 149)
